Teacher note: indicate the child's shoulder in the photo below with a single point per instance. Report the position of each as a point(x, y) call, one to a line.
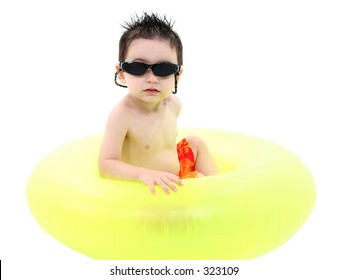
point(119, 112)
point(175, 103)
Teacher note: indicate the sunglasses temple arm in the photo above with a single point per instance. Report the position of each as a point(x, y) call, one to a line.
point(115, 79)
point(175, 91)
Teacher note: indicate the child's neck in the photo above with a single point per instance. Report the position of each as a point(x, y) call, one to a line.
point(147, 107)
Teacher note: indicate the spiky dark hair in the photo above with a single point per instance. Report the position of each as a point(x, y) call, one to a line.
point(149, 26)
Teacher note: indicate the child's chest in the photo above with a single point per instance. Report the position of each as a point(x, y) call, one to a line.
point(154, 129)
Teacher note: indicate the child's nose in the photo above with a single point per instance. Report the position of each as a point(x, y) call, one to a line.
point(151, 78)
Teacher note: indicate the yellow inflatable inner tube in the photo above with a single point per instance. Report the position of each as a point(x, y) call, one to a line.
point(262, 197)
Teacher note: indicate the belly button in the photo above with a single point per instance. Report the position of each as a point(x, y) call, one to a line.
point(147, 147)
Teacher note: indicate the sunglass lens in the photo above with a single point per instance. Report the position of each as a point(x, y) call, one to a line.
point(164, 69)
point(134, 68)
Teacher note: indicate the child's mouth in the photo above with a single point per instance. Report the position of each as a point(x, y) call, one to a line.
point(151, 91)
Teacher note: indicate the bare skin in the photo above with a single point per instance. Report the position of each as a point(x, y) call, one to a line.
point(140, 137)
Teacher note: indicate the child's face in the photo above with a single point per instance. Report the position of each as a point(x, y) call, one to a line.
point(148, 87)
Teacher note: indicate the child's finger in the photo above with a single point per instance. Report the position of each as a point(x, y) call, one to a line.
point(152, 188)
point(176, 180)
point(169, 183)
point(163, 185)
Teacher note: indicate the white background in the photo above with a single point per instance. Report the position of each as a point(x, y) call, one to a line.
point(274, 69)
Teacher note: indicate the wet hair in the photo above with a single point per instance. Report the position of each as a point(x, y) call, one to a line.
point(150, 26)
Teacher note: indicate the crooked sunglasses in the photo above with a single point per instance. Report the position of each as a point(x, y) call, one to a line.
point(163, 69)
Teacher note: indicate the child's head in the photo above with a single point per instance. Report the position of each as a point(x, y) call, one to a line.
point(150, 26)
point(151, 31)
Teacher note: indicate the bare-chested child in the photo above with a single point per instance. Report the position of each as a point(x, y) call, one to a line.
point(140, 138)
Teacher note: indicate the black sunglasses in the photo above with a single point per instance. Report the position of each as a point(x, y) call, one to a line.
point(160, 69)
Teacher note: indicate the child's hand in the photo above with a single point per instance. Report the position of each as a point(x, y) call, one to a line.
point(164, 180)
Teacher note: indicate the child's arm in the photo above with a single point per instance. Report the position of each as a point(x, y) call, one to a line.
point(110, 165)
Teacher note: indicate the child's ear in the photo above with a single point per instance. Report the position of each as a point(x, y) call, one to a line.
point(120, 74)
point(179, 73)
